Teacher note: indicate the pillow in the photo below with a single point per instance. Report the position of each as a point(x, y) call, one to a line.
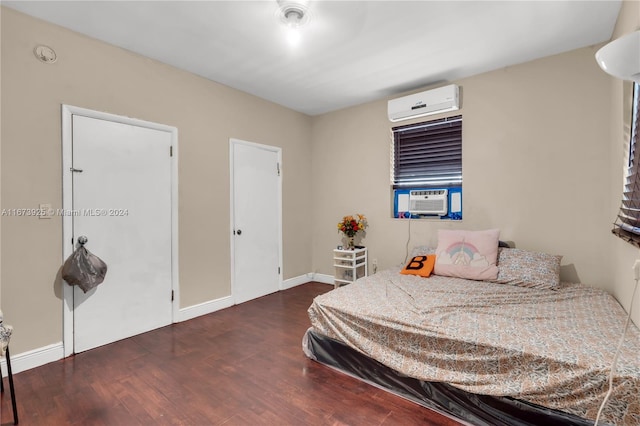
point(420, 265)
point(467, 254)
point(422, 250)
point(528, 269)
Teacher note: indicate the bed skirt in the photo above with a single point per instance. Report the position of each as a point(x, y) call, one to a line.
point(443, 398)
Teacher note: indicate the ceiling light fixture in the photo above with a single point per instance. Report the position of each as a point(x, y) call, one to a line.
point(294, 14)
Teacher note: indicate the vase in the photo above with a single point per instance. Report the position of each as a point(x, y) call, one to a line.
point(351, 244)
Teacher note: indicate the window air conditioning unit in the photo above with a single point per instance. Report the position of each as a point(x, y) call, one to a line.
point(428, 201)
point(433, 101)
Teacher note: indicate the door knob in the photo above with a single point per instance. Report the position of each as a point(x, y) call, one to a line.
point(239, 232)
point(82, 240)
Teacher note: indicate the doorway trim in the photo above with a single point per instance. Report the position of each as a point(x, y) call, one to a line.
point(68, 111)
point(278, 151)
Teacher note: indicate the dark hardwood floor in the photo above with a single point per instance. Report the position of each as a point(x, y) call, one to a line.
point(239, 366)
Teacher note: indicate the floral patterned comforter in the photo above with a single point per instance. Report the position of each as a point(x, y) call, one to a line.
point(549, 347)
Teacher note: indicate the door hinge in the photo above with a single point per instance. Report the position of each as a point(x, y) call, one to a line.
point(278, 167)
point(172, 295)
point(171, 151)
point(278, 270)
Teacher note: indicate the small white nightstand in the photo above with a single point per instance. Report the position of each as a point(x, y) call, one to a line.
point(349, 265)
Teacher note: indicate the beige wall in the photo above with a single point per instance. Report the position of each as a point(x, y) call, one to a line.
point(537, 163)
point(535, 151)
point(623, 255)
point(98, 76)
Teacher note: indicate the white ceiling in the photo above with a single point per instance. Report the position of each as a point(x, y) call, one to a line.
point(351, 52)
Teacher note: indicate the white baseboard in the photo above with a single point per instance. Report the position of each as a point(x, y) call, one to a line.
point(32, 359)
point(303, 279)
point(323, 278)
point(296, 281)
point(204, 308)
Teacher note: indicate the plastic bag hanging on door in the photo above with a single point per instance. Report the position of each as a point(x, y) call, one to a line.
point(84, 269)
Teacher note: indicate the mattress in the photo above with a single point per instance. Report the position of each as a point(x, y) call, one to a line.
point(551, 348)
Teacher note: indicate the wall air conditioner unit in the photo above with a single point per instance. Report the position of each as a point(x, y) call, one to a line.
point(433, 101)
point(428, 201)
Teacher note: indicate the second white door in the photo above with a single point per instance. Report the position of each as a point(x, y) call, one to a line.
point(256, 219)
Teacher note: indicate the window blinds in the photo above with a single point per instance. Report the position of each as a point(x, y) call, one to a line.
point(427, 154)
point(627, 225)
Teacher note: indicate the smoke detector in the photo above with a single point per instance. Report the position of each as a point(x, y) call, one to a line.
point(45, 54)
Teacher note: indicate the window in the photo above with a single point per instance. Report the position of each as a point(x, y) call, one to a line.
point(627, 225)
point(427, 154)
point(426, 169)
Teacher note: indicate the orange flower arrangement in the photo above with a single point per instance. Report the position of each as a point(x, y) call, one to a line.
point(351, 225)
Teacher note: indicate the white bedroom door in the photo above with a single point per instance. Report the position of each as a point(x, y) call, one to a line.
point(122, 202)
point(256, 220)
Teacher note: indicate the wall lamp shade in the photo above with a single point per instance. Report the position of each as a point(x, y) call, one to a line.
point(621, 57)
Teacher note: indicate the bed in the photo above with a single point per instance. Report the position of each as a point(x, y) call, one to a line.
point(485, 352)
